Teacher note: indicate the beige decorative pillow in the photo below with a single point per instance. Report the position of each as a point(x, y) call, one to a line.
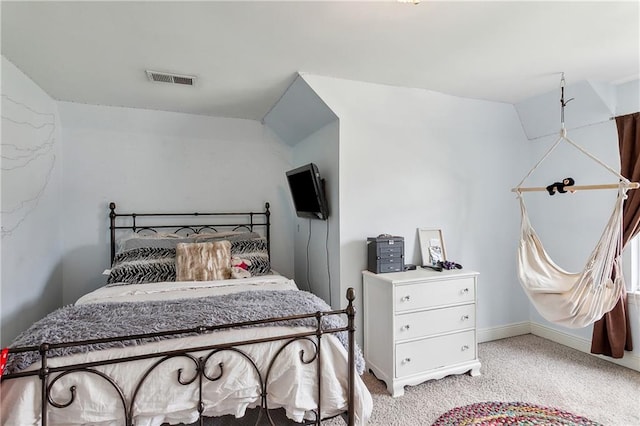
point(203, 261)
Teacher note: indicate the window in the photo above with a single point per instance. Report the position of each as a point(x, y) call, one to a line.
point(632, 265)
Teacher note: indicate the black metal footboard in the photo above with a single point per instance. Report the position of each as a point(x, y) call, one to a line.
point(202, 366)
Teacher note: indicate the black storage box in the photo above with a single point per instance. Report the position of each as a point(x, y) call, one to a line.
point(385, 254)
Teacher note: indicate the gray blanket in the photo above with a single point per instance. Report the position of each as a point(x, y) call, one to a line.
point(105, 320)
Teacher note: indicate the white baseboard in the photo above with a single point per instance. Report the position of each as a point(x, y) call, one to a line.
point(629, 360)
point(502, 332)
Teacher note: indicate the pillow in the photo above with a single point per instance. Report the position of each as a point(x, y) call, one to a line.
point(255, 252)
point(203, 261)
point(143, 265)
point(227, 235)
point(163, 240)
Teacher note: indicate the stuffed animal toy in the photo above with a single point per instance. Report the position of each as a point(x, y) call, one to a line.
point(559, 186)
point(240, 268)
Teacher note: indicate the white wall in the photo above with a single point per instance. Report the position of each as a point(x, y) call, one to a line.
point(302, 120)
point(627, 97)
point(31, 163)
point(152, 161)
point(323, 257)
point(413, 158)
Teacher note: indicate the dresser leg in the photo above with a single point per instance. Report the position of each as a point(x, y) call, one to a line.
point(475, 372)
point(396, 390)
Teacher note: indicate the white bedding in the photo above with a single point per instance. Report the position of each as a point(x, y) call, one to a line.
point(185, 289)
point(291, 384)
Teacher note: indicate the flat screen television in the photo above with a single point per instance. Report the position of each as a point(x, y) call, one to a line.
point(307, 191)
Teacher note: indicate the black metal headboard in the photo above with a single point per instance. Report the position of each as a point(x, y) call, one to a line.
point(152, 222)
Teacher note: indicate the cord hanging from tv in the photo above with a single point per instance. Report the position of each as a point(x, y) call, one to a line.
point(307, 191)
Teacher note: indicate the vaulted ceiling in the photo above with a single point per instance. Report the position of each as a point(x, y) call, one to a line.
point(246, 53)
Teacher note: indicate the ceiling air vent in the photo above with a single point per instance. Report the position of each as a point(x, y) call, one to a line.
point(163, 77)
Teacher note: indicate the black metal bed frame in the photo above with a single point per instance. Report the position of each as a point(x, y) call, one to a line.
point(49, 376)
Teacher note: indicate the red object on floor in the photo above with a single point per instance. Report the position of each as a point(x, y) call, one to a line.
point(3, 359)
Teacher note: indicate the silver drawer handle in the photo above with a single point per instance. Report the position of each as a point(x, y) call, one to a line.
point(404, 327)
point(406, 360)
point(465, 318)
point(405, 298)
point(465, 291)
point(465, 348)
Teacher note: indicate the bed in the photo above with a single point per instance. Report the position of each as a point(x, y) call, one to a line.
point(192, 325)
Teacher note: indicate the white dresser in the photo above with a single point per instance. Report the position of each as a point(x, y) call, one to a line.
point(420, 325)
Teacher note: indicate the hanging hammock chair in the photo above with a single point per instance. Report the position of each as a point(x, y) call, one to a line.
point(578, 299)
point(573, 299)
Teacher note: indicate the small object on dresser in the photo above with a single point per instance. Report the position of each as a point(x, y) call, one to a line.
point(449, 265)
point(431, 246)
point(435, 268)
point(385, 253)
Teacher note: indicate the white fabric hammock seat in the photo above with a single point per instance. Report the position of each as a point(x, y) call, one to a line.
point(578, 299)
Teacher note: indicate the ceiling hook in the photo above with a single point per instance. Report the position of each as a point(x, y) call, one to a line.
point(563, 103)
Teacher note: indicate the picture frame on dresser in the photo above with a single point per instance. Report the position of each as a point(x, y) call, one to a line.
point(432, 247)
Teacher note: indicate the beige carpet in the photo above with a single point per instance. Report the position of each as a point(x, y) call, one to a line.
point(526, 369)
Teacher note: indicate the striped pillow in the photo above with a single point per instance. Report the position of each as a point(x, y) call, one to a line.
point(143, 265)
point(256, 252)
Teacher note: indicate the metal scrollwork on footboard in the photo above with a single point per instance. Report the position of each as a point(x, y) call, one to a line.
point(205, 364)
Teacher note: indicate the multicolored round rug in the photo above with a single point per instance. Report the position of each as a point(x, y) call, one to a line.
point(510, 413)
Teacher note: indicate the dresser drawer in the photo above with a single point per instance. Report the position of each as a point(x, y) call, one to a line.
point(390, 251)
point(435, 321)
point(433, 294)
point(387, 259)
point(421, 355)
point(389, 242)
point(390, 267)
